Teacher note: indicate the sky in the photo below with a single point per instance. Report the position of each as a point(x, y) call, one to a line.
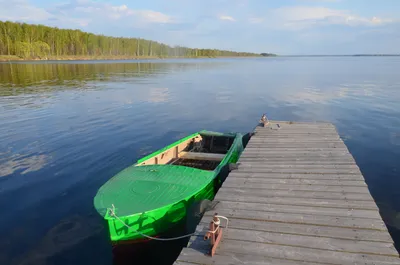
point(286, 27)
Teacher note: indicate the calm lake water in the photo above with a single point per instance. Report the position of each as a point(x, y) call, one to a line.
point(67, 127)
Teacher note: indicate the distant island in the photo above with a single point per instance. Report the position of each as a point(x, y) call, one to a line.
point(21, 41)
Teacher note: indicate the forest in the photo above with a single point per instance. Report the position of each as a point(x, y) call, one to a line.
point(42, 42)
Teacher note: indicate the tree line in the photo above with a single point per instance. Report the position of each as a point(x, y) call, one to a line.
point(39, 41)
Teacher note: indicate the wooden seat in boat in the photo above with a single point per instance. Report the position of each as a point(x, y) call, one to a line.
point(202, 156)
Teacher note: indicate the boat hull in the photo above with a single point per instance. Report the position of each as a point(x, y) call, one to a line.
point(145, 226)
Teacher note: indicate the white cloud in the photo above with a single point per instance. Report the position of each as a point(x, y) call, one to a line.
point(256, 20)
point(122, 11)
point(228, 18)
point(152, 16)
point(300, 17)
point(22, 10)
point(80, 13)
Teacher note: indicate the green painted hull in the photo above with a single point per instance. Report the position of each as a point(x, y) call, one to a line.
point(157, 221)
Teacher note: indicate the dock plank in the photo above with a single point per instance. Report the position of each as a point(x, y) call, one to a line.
point(290, 181)
point(320, 243)
point(302, 194)
point(320, 176)
point(227, 195)
point(298, 187)
point(301, 218)
point(297, 197)
point(277, 208)
point(311, 230)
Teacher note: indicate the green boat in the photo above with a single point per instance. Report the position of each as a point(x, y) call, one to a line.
point(157, 193)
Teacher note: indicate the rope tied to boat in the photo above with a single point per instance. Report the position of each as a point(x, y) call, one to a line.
point(217, 223)
point(112, 213)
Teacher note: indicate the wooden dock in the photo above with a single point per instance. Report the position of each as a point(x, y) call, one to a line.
point(298, 197)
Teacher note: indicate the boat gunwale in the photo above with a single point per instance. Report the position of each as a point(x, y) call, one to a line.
point(166, 148)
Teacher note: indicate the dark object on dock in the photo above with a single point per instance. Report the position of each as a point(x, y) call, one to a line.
point(297, 197)
point(264, 120)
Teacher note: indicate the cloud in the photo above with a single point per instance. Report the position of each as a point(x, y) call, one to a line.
point(301, 17)
point(308, 25)
point(152, 16)
point(115, 12)
point(80, 13)
point(228, 18)
point(22, 10)
point(256, 20)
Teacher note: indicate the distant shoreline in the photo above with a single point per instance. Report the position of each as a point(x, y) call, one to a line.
point(14, 58)
point(11, 58)
point(348, 55)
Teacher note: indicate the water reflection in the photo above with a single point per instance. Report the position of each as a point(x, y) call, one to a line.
point(19, 78)
point(21, 163)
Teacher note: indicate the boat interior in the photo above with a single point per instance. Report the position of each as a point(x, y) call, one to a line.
point(202, 151)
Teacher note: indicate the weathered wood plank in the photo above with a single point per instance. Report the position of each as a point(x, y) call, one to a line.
point(326, 211)
point(298, 170)
point(333, 160)
point(291, 155)
point(310, 230)
point(270, 162)
point(302, 138)
point(258, 175)
point(291, 150)
point(261, 139)
point(320, 243)
point(247, 174)
point(303, 194)
point(296, 152)
point(295, 166)
point(289, 218)
point(326, 145)
point(284, 127)
point(307, 187)
point(302, 132)
point(256, 140)
point(202, 156)
point(192, 256)
point(305, 254)
point(321, 131)
point(228, 195)
point(306, 123)
point(262, 145)
point(239, 181)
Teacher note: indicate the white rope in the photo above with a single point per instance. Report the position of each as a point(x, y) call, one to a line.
point(112, 213)
point(218, 223)
point(225, 218)
point(215, 231)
